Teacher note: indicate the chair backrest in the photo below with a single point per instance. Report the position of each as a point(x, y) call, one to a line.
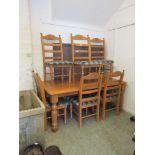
point(51, 50)
point(89, 87)
point(40, 87)
point(113, 81)
point(35, 80)
point(80, 51)
point(97, 48)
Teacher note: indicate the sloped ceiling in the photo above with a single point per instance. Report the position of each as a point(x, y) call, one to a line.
point(87, 12)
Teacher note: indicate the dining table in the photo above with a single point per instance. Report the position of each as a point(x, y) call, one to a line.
point(61, 88)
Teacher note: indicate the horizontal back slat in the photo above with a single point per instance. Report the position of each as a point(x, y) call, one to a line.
point(50, 37)
point(97, 57)
point(79, 37)
point(80, 45)
point(54, 58)
point(52, 51)
point(81, 58)
point(90, 86)
point(90, 91)
point(81, 51)
point(97, 51)
point(96, 40)
point(89, 99)
point(51, 44)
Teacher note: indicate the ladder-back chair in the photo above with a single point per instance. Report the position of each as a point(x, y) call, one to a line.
point(41, 94)
point(88, 98)
point(97, 49)
point(53, 57)
point(81, 55)
point(112, 83)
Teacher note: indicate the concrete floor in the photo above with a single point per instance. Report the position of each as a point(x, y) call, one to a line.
point(112, 137)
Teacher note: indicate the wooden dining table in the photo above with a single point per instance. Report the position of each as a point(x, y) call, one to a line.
point(61, 88)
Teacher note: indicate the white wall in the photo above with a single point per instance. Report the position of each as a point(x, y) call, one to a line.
point(42, 21)
point(88, 12)
point(25, 47)
point(120, 46)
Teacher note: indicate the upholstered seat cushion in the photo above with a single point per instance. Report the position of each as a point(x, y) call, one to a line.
point(92, 62)
point(59, 62)
point(62, 101)
point(75, 100)
point(108, 99)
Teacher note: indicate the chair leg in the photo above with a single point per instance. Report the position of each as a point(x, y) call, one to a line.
point(103, 111)
point(71, 110)
point(65, 113)
point(97, 113)
point(45, 121)
point(117, 104)
point(80, 118)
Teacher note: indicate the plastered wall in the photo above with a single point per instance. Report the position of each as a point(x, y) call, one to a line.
point(25, 47)
point(120, 45)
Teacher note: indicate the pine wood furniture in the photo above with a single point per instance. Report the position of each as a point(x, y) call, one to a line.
point(89, 56)
point(80, 52)
point(88, 97)
point(53, 58)
point(112, 87)
point(61, 88)
point(41, 94)
point(97, 48)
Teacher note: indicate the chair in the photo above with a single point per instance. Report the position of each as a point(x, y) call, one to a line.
point(97, 48)
point(80, 53)
point(81, 56)
point(80, 47)
point(110, 99)
point(88, 98)
point(41, 94)
point(53, 57)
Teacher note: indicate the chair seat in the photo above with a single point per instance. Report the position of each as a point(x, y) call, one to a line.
point(110, 106)
point(93, 62)
point(108, 99)
point(62, 102)
point(59, 62)
point(75, 101)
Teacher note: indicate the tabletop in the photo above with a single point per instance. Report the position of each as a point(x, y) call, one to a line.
point(62, 87)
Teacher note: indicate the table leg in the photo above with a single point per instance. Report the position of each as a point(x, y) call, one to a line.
point(122, 94)
point(54, 123)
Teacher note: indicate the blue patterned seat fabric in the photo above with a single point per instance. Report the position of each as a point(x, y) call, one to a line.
point(62, 101)
point(75, 100)
point(107, 99)
point(59, 62)
point(93, 62)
